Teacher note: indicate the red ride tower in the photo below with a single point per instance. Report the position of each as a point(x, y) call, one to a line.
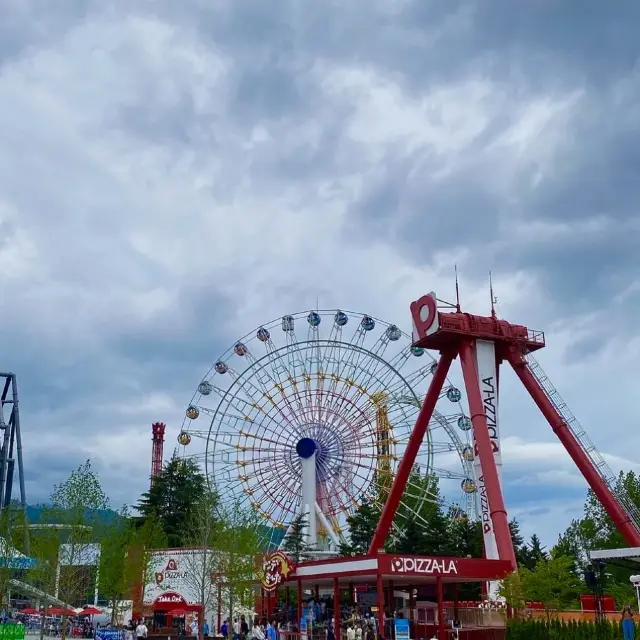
point(483, 343)
point(157, 430)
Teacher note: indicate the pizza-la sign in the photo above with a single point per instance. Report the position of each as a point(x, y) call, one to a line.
point(425, 566)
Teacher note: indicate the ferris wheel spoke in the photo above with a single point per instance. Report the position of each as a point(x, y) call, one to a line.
point(275, 503)
point(355, 391)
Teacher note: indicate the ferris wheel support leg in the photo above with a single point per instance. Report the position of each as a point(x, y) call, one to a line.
point(327, 525)
point(497, 510)
point(620, 518)
point(411, 452)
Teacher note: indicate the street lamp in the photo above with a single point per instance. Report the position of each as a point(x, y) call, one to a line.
point(635, 581)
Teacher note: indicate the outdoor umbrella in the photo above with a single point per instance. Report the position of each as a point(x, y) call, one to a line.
point(90, 610)
point(59, 611)
point(29, 611)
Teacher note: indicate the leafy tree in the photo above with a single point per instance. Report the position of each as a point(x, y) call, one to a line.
point(551, 582)
point(125, 562)
point(595, 530)
point(172, 498)
point(204, 533)
point(66, 554)
point(239, 543)
point(512, 591)
point(464, 537)
point(11, 525)
point(295, 543)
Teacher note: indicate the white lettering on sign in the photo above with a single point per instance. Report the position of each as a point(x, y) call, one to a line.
point(428, 566)
point(174, 597)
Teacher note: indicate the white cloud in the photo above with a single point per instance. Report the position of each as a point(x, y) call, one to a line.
point(150, 216)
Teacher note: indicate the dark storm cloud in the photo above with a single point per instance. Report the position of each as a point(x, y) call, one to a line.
point(90, 376)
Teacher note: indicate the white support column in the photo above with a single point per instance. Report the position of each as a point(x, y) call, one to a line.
point(309, 498)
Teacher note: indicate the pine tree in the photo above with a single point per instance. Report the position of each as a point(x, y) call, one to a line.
point(172, 498)
point(362, 526)
point(295, 543)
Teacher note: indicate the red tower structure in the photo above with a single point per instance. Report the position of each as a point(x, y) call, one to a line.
point(483, 343)
point(157, 430)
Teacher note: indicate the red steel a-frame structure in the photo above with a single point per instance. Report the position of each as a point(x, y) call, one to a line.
point(455, 334)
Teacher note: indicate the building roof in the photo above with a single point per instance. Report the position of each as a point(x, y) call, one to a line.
point(628, 554)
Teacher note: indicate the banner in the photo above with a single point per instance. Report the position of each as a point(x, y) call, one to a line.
point(488, 381)
point(109, 634)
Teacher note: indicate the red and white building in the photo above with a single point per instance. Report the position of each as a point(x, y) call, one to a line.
point(388, 574)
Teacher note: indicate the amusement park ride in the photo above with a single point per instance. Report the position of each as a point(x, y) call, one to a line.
point(310, 427)
point(11, 447)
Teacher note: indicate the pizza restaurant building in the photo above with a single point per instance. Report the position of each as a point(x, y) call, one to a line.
point(387, 575)
point(171, 594)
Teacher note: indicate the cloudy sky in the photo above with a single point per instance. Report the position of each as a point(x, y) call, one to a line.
point(173, 174)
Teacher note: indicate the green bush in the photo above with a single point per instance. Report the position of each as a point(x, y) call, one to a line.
point(539, 629)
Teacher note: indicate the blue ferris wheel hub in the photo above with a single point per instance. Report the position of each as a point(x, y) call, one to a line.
point(306, 447)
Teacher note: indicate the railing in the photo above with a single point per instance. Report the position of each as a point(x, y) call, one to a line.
point(603, 469)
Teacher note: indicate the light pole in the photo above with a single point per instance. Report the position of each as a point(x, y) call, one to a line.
point(635, 581)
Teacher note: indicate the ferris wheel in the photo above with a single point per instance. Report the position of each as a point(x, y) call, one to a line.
point(310, 414)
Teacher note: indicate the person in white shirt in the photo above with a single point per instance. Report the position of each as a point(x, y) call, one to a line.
point(351, 633)
point(257, 632)
point(141, 630)
point(194, 628)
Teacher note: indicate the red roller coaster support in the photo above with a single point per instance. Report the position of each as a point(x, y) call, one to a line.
point(409, 458)
point(619, 516)
point(157, 430)
point(497, 510)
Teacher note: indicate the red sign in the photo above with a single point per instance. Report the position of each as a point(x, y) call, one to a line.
point(275, 567)
point(430, 567)
point(424, 313)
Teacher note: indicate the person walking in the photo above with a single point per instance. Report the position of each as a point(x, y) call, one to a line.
point(141, 630)
point(628, 625)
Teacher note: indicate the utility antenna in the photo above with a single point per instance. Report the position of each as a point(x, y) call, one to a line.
point(494, 300)
point(455, 268)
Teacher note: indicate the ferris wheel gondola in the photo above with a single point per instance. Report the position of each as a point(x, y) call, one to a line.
point(343, 389)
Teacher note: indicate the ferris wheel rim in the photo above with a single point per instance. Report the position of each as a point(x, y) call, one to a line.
point(228, 395)
point(299, 315)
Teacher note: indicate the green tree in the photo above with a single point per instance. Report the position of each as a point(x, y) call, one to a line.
point(512, 591)
point(595, 530)
point(295, 543)
point(11, 539)
point(239, 543)
point(533, 553)
point(362, 525)
point(552, 583)
point(67, 553)
point(125, 561)
point(205, 562)
point(172, 498)
point(517, 540)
